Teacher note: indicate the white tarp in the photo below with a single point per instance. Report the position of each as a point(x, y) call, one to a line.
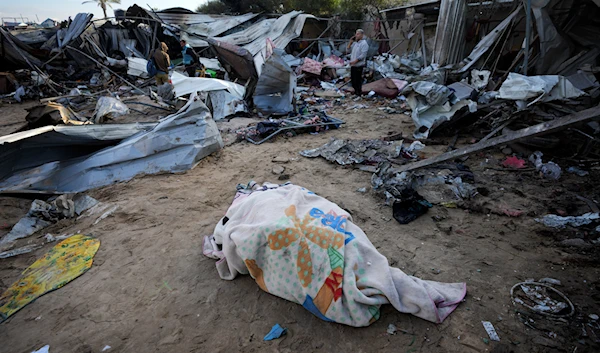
point(212, 64)
point(185, 85)
point(176, 144)
point(546, 87)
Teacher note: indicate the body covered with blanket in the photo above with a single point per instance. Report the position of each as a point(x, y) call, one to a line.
point(303, 248)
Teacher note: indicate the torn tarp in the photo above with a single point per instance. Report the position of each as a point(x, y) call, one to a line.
point(275, 88)
point(546, 87)
point(176, 144)
point(185, 85)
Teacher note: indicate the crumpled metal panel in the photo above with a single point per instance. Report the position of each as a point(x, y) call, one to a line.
point(183, 85)
point(176, 144)
point(79, 24)
point(224, 104)
point(32, 148)
point(237, 58)
point(275, 88)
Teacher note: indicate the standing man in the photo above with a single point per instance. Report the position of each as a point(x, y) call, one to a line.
point(358, 59)
point(190, 58)
point(162, 62)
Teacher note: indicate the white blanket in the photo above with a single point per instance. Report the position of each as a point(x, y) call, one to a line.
point(304, 248)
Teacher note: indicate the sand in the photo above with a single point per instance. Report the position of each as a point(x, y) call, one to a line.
point(151, 289)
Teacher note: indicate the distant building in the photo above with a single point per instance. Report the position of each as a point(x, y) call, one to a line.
point(50, 23)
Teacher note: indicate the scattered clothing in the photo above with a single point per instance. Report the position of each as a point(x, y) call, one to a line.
point(66, 261)
point(514, 162)
point(303, 248)
point(410, 207)
point(276, 332)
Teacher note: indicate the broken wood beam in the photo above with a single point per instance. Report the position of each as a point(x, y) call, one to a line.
point(539, 129)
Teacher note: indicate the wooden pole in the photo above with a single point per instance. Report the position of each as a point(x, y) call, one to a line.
point(543, 128)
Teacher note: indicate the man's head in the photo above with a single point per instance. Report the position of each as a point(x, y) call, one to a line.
point(183, 43)
point(360, 34)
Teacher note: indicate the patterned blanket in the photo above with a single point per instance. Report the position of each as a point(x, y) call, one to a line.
point(303, 248)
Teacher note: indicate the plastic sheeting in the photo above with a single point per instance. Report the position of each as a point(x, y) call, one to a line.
point(176, 144)
point(275, 89)
point(547, 88)
point(185, 85)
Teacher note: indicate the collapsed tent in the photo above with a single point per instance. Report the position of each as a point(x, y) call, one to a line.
point(303, 248)
point(177, 143)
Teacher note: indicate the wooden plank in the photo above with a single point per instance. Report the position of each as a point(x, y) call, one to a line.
point(531, 131)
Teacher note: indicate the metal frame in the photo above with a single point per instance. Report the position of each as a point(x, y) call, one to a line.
point(294, 123)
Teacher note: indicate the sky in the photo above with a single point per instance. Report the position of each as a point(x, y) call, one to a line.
point(62, 9)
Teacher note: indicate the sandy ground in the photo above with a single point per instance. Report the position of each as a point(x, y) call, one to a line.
point(151, 289)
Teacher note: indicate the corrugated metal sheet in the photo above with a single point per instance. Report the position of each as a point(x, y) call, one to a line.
point(291, 31)
point(275, 88)
point(238, 58)
point(450, 33)
point(185, 18)
point(249, 34)
point(176, 144)
point(218, 27)
point(79, 24)
point(275, 31)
